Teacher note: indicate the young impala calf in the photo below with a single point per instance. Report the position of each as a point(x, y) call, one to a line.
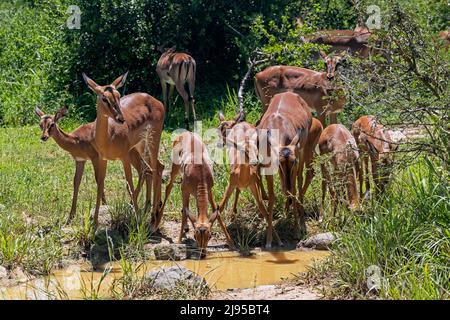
point(240, 136)
point(374, 142)
point(290, 116)
point(307, 157)
point(189, 154)
point(79, 144)
point(337, 141)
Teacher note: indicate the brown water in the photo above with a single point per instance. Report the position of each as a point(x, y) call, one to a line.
point(222, 270)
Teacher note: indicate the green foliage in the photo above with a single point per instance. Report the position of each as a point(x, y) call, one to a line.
point(33, 66)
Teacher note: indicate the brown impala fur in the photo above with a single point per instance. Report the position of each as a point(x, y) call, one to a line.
point(355, 41)
point(121, 125)
point(189, 154)
point(373, 140)
point(313, 86)
point(79, 144)
point(240, 136)
point(175, 69)
point(307, 157)
point(290, 115)
point(337, 141)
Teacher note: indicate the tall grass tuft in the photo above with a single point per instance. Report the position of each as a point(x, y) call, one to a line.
point(403, 239)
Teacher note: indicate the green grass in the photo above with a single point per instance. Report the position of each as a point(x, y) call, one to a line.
point(405, 235)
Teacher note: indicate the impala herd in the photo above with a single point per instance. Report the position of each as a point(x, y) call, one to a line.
point(129, 129)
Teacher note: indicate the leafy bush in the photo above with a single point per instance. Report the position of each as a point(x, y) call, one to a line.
point(33, 66)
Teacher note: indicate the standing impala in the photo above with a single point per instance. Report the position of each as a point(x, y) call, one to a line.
point(190, 155)
point(374, 142)
point(136, 117)
point(290, 115)
point(177, 69)
point(79, 144)
point(240, 136)
point(337, 142)
point(316, 88)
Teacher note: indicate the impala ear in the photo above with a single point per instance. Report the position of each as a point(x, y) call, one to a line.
point(342, 55)
point(240, 117)
point(192, 217)
point(120, 81)
point(213, 217)
point(322, 54)
point(296, 139)
point(60, 113)
point(90, 83)
point(371, 148)
point(221, 117)
point(38, 112)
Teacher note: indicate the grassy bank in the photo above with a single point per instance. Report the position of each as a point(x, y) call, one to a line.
point(400, 247)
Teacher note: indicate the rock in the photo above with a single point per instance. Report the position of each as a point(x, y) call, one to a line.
point(321, 241)
point(106, 246)
point(19, 275)
point(174, 252)
point(107, 237)
point(3, 272)
point(167, 278)
point(104, 217)
point(99, 255)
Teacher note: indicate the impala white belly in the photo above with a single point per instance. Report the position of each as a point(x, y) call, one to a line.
point(80, 159)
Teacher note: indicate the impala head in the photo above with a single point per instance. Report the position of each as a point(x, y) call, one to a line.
point(202, 229)
point(287, 160)
point(332, 62)
point(227, 125)
point(108, 98)
point(48, 123)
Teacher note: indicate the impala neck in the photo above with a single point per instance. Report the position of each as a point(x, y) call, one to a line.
point(101, 128)
point(64, 140)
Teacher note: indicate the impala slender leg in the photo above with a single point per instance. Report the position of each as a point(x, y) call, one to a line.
point(263, 212)
point(182, 91)
point(164, 93)
point(236, 199)
point(95, 165)
point(219, 218)
point(129, 179)
point(366, 176)
point(100, 185)
point(173, 175)
point(191, 85)
point(226, 197)
point(79, 169)
point(261, 185)
point(361, 175)
point(375, 175)
point(157, 169)
point(185, 212)
point(271, 203)
point(169, 100)
point(138, 163)
point(325, 183)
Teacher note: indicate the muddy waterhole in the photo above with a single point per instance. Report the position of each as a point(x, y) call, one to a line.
point(222, 271)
